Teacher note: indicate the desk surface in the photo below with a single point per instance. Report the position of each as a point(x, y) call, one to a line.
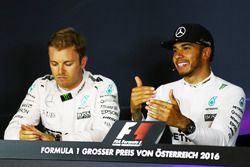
point(99, 154)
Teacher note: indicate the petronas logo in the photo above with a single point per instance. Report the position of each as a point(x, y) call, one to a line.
point(212, 101)
point(84, 100)
point(109, 89)
point(242, 102)
point(31, 88)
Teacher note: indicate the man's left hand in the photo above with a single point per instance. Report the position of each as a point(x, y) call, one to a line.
point(43, 136)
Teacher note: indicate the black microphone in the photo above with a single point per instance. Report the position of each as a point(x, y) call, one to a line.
point(66, 97)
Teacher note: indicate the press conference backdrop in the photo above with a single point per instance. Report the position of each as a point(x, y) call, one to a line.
point(123, 40)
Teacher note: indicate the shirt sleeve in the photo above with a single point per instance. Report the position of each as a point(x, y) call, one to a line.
point(225, 127)
point(103, 117)
point(28, 113)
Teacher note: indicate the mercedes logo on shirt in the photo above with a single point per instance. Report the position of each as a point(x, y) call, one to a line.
point(180, 32)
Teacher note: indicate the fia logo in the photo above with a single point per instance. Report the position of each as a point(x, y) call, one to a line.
point(212, 101)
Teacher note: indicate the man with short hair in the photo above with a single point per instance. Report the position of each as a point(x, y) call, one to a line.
point(200, 108)
point(72, 103)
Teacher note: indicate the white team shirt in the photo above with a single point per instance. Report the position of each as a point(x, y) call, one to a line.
point(88, 116)
point(215, 105)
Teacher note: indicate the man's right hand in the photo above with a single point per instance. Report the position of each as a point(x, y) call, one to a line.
point(140, 94)
point(27, 134)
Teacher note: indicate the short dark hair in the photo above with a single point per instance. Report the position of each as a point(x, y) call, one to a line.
point(68, 37)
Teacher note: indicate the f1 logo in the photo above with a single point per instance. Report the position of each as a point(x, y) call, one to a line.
point(126, 129)
point(141, 131)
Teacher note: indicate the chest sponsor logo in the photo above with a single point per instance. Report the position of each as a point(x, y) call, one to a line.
point(109, 107)
point(242, 102)
point(110, 112)
point(18, 116)
point(23, 110)
point(212, 104)
point(108, 98)
point(83, 115)
point(49, 101)
point(108, 123)
point(48, 114)
point(109, 118)
point(237, 114)
point(30, 95)
point(180, 137)
point(84, 101)
point(26, 105)
point(31, 88)
point(66, 97)
point(109, 89)
point(238, 109)
point(212, 101)
point(209, 117)
point(233, 126)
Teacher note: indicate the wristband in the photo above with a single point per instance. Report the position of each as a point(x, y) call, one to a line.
point(58, 138)
point(190, 128)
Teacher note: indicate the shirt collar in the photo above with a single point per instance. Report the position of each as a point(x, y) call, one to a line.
point(204, 82)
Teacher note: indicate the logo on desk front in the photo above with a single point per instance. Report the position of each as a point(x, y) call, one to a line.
point(129, 136)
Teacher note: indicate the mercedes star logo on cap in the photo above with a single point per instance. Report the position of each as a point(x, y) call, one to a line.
point(180, 32)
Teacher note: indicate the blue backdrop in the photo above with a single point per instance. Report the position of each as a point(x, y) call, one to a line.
point(123, 40)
